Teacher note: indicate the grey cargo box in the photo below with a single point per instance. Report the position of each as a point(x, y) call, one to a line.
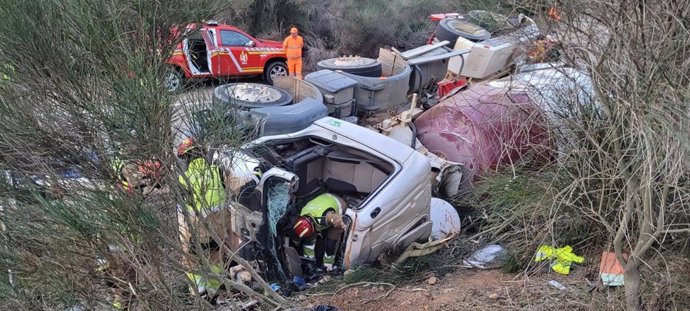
point(332, 83)
point(290, 118)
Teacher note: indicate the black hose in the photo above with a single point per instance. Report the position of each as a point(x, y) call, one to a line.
point(418, 77)
point(413, 144)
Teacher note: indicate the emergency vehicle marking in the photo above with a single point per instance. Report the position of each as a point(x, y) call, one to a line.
point(263, 51)
point(234, 60)
point(250, 69)
point(244, 57)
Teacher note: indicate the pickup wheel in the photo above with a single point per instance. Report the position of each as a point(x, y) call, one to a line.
point(174, 79)
point(361, 66)
point(452, 28)
point(252, 95)
point(275, 69)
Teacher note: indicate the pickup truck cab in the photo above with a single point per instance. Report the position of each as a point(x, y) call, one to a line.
point(213, 50)
point(386, 184)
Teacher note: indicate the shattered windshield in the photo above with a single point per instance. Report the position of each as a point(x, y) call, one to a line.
point(278, 199)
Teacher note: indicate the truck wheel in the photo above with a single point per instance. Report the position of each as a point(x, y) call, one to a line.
point(174, 79)
point(452, 28)
point(252, 95)
point(361, 66)
point(275, 69)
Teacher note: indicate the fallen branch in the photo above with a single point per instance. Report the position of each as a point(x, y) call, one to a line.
point(417, 250)
point(249, 292)
point(379, 297)
point(350, 286)
point(414, 289)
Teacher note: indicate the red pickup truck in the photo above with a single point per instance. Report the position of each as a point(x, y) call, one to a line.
point(213, 50)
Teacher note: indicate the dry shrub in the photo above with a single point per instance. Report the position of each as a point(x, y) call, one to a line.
point(86, 89)
point(516, 210)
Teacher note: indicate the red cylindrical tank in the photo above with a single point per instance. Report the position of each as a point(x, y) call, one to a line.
point(486, 126)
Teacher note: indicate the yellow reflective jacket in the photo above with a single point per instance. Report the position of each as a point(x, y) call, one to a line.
point(118, 167)
point(207, 184)
point(318, 207)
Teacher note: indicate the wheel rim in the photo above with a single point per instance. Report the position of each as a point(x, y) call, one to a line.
point(278, 71)
point(466, 27)
point(353, 61)
point(172, 81)
point(251, 92)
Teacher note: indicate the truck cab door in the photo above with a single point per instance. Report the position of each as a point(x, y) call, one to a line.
point(209, 35)
point(235, 55)
point(197, 48)
point(277, 189)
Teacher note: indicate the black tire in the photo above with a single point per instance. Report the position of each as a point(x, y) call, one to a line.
point(174, 79)
point(252, 95)
point(452, 28)
point(275, 68)
point(361, 66)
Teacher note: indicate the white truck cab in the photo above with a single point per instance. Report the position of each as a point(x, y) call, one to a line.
point(386, 184)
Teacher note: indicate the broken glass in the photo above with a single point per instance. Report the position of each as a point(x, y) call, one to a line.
point(278, 199)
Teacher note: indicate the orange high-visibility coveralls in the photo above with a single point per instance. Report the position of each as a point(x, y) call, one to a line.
point(293, 49)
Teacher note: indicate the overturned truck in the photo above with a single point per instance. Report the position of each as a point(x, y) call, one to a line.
point(387, 187)
point(387, 171)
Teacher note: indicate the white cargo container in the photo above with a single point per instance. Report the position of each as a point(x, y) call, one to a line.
point(492, 55)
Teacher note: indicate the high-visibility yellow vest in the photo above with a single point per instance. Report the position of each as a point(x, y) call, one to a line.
point(118, 166)
point(206, 183)
point(319, 206)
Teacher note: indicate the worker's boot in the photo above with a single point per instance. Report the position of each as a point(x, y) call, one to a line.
point(328, 262)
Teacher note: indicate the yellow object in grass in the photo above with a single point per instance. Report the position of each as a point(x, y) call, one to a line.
point(561, 258)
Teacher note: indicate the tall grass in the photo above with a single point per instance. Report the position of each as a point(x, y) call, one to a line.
point(86, 87)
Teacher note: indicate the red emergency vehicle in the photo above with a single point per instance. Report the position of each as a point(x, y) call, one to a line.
point(213, 50)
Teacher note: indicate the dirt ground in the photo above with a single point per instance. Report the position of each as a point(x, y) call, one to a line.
point(475, 290)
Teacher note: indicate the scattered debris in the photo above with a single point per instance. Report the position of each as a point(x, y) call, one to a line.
point(432, 280)
point(275, 287)
point(324, 279)
point(484, 256)
point(561, 258)
point(299, 282)
point(248, 304)
point(557, 285)
point(77, 307)
point(493, 296)
point(325, 308)
point(610, 270)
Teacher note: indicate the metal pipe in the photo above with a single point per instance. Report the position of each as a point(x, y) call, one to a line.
point(422, 50)
point(413, 144)
point(428, 59)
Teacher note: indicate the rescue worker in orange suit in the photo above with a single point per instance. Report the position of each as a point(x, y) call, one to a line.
point(319, 228)
point(205, 195)
point(293, 45)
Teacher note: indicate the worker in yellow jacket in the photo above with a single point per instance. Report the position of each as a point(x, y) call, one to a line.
point(321, 222)
point(293, 45)
point(206, 207)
